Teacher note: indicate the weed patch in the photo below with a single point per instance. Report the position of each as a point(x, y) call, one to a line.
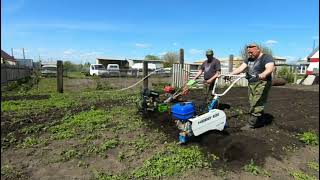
point(6, 141)
point(107, 176)
point(29, 142)
point(32, 129)
point(298, 175)
point(313, 166)
point(309, 138)
point(10, 172)
point(82, 123)
point(255, 170)
point(70, 154)
point(23, 107)
point(172, 160)
point(109, 144)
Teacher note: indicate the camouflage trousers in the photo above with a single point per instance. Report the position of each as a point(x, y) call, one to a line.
point(258, 94)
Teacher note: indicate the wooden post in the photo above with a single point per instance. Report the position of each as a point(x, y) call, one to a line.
point(230, 63)
point(181, 57)
point(295, 74)
point(60, 76)
point(145, 73)
point(181, 61)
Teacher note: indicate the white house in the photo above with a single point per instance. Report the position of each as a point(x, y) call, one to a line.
point(313, 58)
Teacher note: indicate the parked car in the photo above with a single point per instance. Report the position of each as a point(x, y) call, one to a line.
point(49, 70)
point(97, 70)
point(113, 70)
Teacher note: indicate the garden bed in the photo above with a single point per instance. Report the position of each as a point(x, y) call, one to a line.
point(99, 134)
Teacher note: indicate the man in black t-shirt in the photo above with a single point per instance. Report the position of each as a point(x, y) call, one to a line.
point(211, 68)
point(260, 67)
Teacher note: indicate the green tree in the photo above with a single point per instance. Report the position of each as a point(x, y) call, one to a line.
point(265, 50)
point(69, 66)
point(170, 58)
point(151, 57)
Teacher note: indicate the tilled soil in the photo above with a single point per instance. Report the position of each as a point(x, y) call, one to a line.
point(288, 111)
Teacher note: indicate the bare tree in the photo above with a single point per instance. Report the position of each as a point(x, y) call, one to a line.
point(265, 50)
point(170, 58)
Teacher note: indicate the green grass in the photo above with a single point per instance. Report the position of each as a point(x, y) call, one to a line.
point(252, 168)
point(69, 154)
point(10, 172)
point(313, 166)
point(109, 144)
point(141, 143)
point(76, 75)
point(309, 138)
point(47, 86)
point(6, 141)
point(82, 123)
point(32, 129)
point(107, 176)
point(170, 161)
point(56, 100)
point(298, 175)
point(31, 141)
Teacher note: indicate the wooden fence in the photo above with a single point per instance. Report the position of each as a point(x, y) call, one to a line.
point(14, 72)
point(180, 76)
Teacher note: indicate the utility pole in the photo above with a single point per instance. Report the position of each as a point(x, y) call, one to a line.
point(24, 57)
point(12, 52)
point(314, 43)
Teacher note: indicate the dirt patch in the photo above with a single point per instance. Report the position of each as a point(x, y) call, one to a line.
point(83, 84)
point(12, 123)
point(289, 112)
point(25, 97)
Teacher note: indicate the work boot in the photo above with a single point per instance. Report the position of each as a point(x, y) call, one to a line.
point(256, 120)
point(252, 121)
point(261, 121)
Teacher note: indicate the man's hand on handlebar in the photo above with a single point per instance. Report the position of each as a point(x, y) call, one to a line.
point(227, 78)
point(252, 78)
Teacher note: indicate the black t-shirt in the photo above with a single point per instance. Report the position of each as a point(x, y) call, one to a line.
point(258, 66)
point(211, 68)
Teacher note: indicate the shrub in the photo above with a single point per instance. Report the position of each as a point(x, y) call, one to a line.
point(286, 74)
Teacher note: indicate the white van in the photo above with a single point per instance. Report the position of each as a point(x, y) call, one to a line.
point(97, 70)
